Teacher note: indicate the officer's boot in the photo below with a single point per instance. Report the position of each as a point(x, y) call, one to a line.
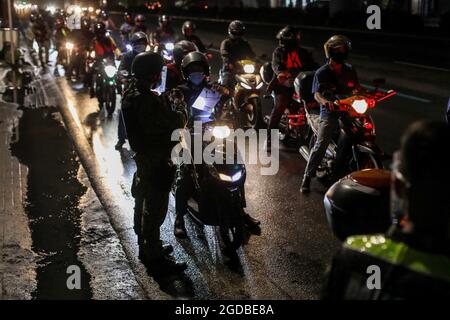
point(252, 224)
point(179, 227)
point(306, 185)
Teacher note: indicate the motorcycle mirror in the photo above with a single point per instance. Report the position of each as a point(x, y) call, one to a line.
point(379, 82)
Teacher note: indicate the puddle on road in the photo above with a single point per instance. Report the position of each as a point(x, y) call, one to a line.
point(52, 204)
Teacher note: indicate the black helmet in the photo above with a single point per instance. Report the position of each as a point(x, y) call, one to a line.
point(267, 72)
point(192, 58)
point(288, 36)
point(181, 49)
point(335, 42)
point(139, 18)
point(99, 29)
point(188, 25)
point(127, 17)
point(147, 65)
point(236, 29)
point(138, 37)
point(164, 18)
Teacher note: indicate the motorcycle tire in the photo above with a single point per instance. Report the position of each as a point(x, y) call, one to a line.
point(110, 100)
point(253, 119)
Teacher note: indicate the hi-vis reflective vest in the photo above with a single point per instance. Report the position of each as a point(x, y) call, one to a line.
point(399, 254)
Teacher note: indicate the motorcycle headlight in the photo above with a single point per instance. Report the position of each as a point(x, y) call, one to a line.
point(249, 68)
point(259, 86)
point(360, 106)
point(169, 46)
point(236, 177)
point(110, 71)
point(69, 45)
point(92, 54)
point(91, 9)
point(221, 132)
point(129, 47)
point(246, 86)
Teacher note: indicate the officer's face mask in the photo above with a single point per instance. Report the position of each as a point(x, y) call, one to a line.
point(140, 48)
point(197, 78)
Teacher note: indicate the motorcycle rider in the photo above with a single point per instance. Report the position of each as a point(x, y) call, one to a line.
point(61, 34)
point(288, 60)
point(126, 27)
point(139, 43)
point(150, 121)
point(42, 35)
point(188, 30)
point(335, 78)
point(196, 71)
point(233, 49)
point(165, 31)
point(174, 75)
point(105, 48)
point(139, 24)
point(414, 255)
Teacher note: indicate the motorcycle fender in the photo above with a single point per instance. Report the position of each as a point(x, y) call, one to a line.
point(253, 96)
point(365, 149)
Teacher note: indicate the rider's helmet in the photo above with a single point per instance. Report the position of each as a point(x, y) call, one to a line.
point(164, 20)
point(181, 49)
point(104, 15)
point(236, 29)
point(100, 29)
point(147, 66)
point(194, 59)
point(289, 36)
point(139, 19)
point(139, 41)
point(333, 47)
point(127, 17)
point(188, 28)
point(138, 37)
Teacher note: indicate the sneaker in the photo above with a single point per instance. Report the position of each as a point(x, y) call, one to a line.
point(119, 145)
point(306, 185)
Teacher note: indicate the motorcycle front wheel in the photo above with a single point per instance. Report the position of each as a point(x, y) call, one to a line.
point(110, 100)
point(253, 118)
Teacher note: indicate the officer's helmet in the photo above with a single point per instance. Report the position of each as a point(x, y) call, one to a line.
point(147, 66)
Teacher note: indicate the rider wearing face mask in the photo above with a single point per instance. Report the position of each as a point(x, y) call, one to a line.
point(180, 50)
point(196, 71)
point(139, 43)
point(333, 80)
point(288, 60)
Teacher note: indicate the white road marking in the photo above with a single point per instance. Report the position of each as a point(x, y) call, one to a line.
point(421, 66)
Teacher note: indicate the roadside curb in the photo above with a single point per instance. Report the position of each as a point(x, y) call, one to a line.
point(90, 165)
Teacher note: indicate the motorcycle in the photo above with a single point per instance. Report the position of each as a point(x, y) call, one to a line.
point(105, 84)
point(73, 60)
point(218, 197)
point(247, 92)
point(356, 125)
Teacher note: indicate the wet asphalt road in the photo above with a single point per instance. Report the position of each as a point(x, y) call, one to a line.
point(289, 259)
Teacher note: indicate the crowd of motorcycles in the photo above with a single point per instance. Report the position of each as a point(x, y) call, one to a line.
point(241, 109)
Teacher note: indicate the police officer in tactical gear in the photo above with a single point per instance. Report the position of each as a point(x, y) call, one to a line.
point(150, 120)
point(414, 256)
point(196, 71)
point(139, 42)
point(335, 79)
point(233, 49)
point(288, 60)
